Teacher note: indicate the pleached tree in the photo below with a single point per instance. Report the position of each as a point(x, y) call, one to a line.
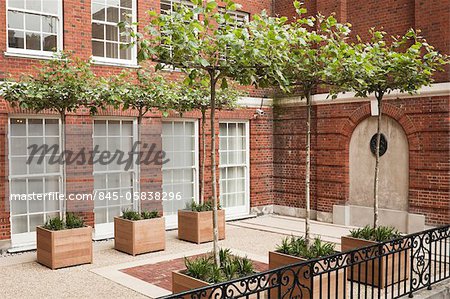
point(383, 65)
point(196, 96)
point(317, 47)
point(141, 91)
point(208, 45)
point(62, 84)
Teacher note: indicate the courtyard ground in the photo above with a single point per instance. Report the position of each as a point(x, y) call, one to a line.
point(22, 277)
point(118, 275)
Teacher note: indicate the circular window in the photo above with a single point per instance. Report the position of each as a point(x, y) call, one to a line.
point(383, 144)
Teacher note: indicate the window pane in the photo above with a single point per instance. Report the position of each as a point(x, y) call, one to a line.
point(16, 3)
point(113, 180)
point(18, 146)
point(35, 167)
point(36, 142)
point(33, 41)
point(112, 14)
point(51, 6)
point(18, 127)
point(100, 215)
point(127, 128)
point(100, 181)
point(51, 127)
point(33, 5)
point(124, 37)
point(16, 39)
point(19, 166)
point(125, 15)
point(112, 50)
point(100, 128)
point(112, 33)
point(36, 204)
point(33, 22)
point(36, 220)
point(50, 25)
point(19, 225)
point(98, 49)
point(114, 128)
point(113, 2)
point(35, 127)
point(113, 212)
point(15, 20)
point(98, 12)
point(53, 167)
point(126, 3)
point(98, 31)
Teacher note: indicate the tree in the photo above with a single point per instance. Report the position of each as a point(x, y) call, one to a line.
point(382, 66)
point(316, 47)
point(196, 97)
point(141, 91)
point(208, 45)
point(62, 84)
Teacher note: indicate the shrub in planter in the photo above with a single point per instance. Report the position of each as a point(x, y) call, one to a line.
point(64, 243)
point(202, 271)
point(379, 272)
point(195, 224)
point(294, 250)
point(137, 233)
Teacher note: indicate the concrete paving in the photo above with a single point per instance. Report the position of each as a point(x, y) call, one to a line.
point(22, 277)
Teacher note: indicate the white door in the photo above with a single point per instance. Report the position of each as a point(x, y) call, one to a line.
point(180, 174)
point(234, 168)
point(34, 186)
point(113, 184)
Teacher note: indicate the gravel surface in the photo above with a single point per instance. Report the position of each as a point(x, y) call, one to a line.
point(22, 277)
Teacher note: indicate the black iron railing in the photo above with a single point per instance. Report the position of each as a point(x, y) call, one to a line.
point(391, 269)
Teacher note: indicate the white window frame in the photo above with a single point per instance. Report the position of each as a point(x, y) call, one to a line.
point(107, 230)
point(171, 220)
point(234, 213)
point(35, 53)
point(116, 61)
point(27, 239)
point(234, 14)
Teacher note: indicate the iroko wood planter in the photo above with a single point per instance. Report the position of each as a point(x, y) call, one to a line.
point(64, 248)
point(182, 282)
point(141, 236)
point(197, 227)
point(303, 288)
point(380, 272)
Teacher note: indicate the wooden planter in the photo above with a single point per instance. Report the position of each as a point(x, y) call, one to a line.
point(303, 289)
point(397, 261)
point(142, 236)
point(182, 282)
point(64, 248)
point(197, 227)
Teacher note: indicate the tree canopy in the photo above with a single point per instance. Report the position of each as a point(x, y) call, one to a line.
point(62, 84)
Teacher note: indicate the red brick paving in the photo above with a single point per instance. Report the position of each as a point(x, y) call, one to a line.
point(160, 274)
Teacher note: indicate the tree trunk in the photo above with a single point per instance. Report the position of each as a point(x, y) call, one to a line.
point(213, 170)
point(308, 170)
point(138, 166)
point(63, 152)
point(202, 179)
point(377, 163)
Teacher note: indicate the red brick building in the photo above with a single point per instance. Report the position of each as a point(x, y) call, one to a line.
point(261, 160)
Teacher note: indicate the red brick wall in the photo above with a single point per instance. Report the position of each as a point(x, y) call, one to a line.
point(77, 38)
point(395, 17)
point(426, 124)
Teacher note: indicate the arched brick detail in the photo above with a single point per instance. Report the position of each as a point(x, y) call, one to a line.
point(388, 110)
point(363, 112)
